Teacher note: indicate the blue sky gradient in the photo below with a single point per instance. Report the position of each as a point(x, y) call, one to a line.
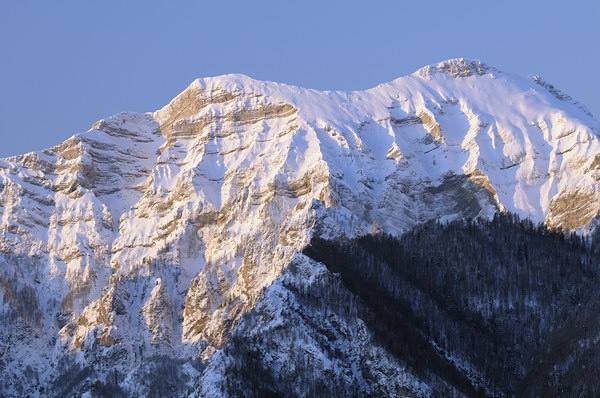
point(66, 64)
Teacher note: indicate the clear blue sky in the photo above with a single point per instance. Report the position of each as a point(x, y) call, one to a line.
point(66, 64)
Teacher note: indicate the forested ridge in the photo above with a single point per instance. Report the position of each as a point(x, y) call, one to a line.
point(516, 301)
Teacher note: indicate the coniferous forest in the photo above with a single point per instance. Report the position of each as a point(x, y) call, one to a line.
point(474, 308)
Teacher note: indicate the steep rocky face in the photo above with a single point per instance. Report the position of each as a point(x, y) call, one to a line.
point(152, 234)
point(308, 334)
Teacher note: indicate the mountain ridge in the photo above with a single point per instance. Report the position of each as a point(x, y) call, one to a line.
point(155, 233)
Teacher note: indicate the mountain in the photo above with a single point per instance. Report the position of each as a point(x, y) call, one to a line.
point(147, 244)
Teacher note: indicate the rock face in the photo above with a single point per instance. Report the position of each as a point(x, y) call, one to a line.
point(151, 235)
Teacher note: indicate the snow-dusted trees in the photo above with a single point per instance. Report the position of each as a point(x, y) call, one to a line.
point(479, 304)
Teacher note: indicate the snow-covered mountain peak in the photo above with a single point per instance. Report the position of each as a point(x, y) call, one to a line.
point(164, 228)
point(233, 82)
point(456, 68)
point(454, 107)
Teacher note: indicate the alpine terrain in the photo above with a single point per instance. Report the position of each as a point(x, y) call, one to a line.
point(432, 236)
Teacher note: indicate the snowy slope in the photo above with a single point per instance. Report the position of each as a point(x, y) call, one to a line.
point(152, 234)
